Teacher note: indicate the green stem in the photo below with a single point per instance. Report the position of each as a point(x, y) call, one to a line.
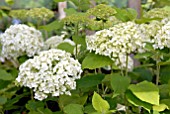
point(1, 111)
point(126, 70)
point(2, 91)
point(32, 96)
point(157, 72)
point(122, 73)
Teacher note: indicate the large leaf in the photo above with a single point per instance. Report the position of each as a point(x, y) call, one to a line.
point(93, 61)
point(100, 104)
point(143, 74)
point(33, 105)
point(66, 47)
point(76, 99)
point(70, 11)
point(59, 0)
point(164, 91)
point(165, 74)
point(166, 101)
point(3, 100)
point(146, 91)
point(119, 83)
point(79, 40)
point(55, 25)
point(5, 75)
point(41, 110)
point(89, 81)
point(160, 107)
point(73, 109)
point(137, 102)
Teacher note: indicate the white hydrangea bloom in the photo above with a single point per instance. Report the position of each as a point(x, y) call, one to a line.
point(53, 42)
point(123, 38)
point(162, 38)
point(52, 72)
point(19, 40)
point(157, 33)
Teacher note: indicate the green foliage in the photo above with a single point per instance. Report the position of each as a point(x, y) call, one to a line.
point(135, 92)
point(93, 61)
point(66, 47)
point(89, 81)
point(119, 83)
point(100, 104)
point(55, 25)
point(137, 102)
point(5, 75)
point(78, 109)
point(145, 91)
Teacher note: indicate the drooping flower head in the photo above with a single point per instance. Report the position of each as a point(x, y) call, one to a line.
point(52, 72)
point(20, 40)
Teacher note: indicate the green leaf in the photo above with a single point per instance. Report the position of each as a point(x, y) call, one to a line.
point(59, 0)
point(33, 105)
point(3, 100)
point(79, 40)
point(41, 110)
point(143, 55)
point(4, 75)
point(73, 109)
point(89, 109)
point(74, 98)
point(100, 104)
point(119, 83)
point(66, 47)
point(132, 13)
point(89, 81)
point(143, 74)
point(70, 11)
point(10, 2)
point(164, 91)
point(160, 107)
point(165, 74)
point(55, 25)
point(146, 91)
point(93, 61)
point(166, 101)
point(10, 104)
point(137, 102)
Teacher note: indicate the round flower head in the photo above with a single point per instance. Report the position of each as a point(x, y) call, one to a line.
point(20, 40)
point(123, 38)
point(53, 72)
point(41, 14)
point(162, 38)
point(157, 13)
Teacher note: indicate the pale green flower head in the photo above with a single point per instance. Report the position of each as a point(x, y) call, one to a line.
point(19, 14)
point(75, 19)
point(157, 13)
point(42, 14)
point(101, 12)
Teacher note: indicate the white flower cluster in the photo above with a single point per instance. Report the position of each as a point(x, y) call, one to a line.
point(162, 38)
point(20, 40)
point(157, 33)
point(53, 72)
point(54, 41)
point(117, 42)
